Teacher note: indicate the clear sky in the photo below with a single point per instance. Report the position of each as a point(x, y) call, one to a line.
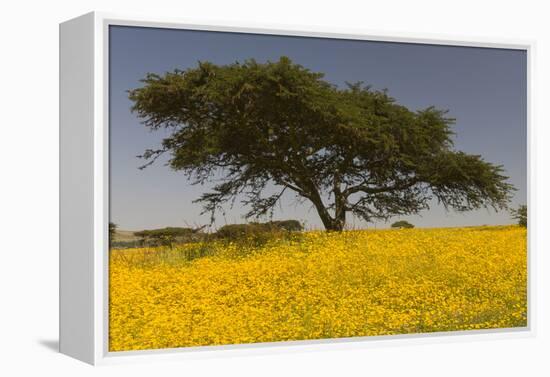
point(484, 89)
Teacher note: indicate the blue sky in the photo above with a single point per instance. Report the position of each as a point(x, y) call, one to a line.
point(484, 89)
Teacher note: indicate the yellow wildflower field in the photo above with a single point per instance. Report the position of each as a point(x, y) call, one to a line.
point(318, 285)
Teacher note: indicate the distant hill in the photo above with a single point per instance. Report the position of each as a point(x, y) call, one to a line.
point(124, 236)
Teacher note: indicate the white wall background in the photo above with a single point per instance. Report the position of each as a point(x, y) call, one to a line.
point(29, 184)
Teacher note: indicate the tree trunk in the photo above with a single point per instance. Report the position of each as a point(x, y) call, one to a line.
point(339, 205)
point(334, 225)
point(330, 223)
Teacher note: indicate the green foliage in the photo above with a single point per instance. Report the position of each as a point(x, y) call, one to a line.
point(288, 225)
point(171, 231)
point(344, 150)
point(167, 236)
point(258, 231)
point(520, 215)
point(232, 231)
point(402, 224)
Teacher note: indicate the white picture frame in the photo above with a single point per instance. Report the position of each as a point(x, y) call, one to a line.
point(84, 188)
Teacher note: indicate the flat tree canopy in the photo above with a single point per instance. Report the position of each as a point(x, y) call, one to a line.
point(402, 225)
point(344, 150)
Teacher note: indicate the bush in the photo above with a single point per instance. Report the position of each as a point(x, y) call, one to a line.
point(168, 236)
point(290, 225)
point(520, 215)
point(402, 225)
point(258, 231)
point(233, 231)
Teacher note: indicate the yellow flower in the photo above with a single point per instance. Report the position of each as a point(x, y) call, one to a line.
point(319, 285)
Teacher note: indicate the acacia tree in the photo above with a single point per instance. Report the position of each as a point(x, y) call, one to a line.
point(345, 150)
point(520, 215)
point(402, 224)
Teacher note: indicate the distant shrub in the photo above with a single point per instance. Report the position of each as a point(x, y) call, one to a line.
point(172, 231)
point(258, 231)
point(290, 225)
point(520, 215)
point(402, 225)
point(168, 236)
point(233, 231)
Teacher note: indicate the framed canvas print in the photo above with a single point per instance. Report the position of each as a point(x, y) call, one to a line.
point(226, 187)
